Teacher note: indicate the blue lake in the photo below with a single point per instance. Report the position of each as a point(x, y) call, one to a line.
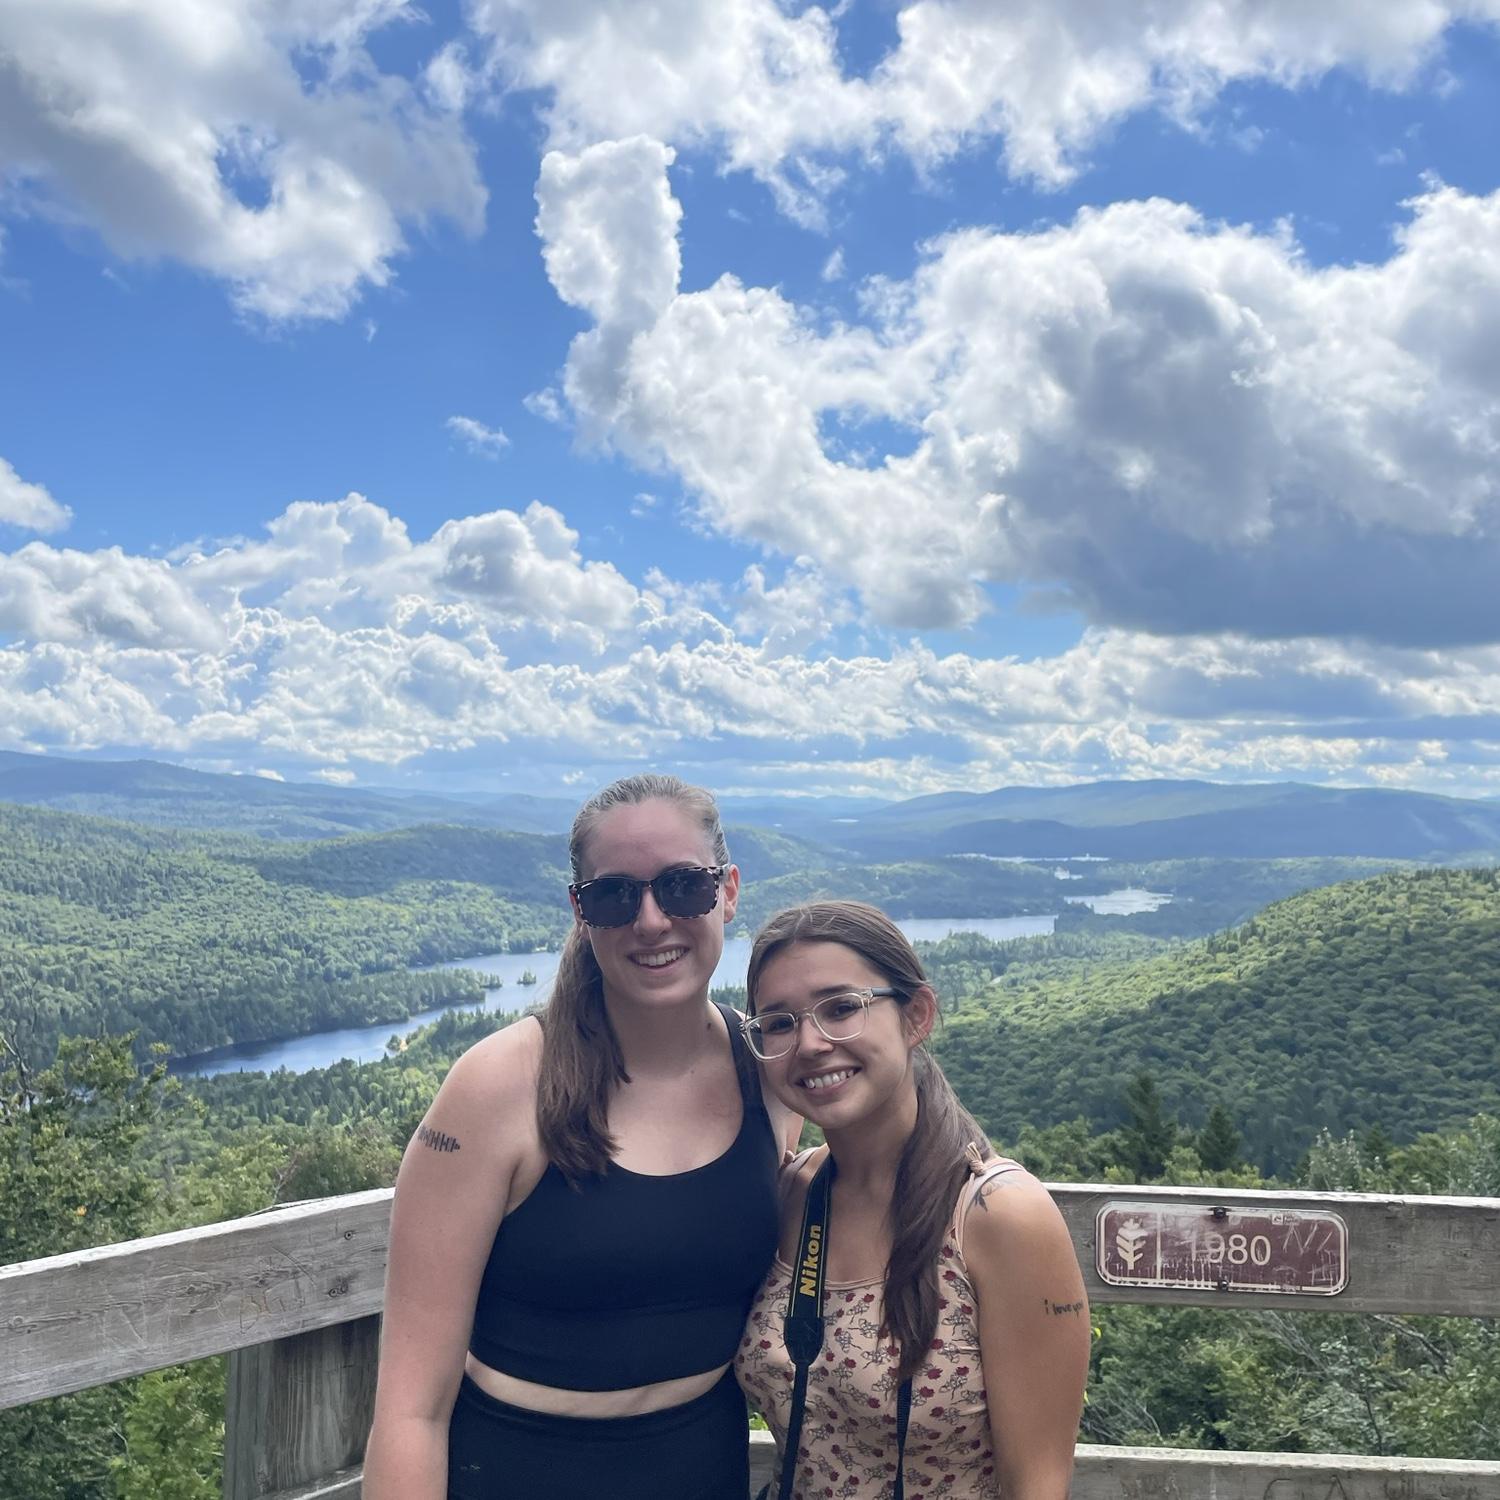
point(366, 1043)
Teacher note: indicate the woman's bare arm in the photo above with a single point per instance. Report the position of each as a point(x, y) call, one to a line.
point(1034, 1332)
point(455, 1179)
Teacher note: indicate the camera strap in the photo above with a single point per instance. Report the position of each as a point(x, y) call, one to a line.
point(804, 1327)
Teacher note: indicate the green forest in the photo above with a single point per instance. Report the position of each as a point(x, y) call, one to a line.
point(1342, 1037)
point(96, 1148)
point(200, 939)
point(1362, 1004)
point(196, 940)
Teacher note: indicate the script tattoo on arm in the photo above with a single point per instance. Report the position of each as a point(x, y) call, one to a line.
point(436, 1139)
point(1061, 1309)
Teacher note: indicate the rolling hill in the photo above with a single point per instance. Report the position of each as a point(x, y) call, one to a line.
point(1376, 1001)
point(195, 940)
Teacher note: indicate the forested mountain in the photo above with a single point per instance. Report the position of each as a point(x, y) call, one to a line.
point(1371, 1002)
point(195, 940)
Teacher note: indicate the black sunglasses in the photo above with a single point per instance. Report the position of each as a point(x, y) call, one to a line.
point(614, 900)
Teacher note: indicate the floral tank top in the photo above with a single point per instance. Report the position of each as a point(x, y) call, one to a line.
point(848, 1447)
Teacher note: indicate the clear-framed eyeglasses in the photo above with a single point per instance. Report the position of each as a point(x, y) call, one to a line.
point(840, 1017)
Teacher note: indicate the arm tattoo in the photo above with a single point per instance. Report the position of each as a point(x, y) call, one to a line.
point(1060, 1309)
point(436, 1139)
point(988, 1186)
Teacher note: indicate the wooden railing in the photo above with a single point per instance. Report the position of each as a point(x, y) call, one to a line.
point(293, 1297)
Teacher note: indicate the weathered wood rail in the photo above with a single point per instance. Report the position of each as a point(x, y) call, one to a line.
point(293, 1296)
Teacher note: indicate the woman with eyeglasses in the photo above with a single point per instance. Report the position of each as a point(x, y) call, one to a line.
point(587, 1209)
point(937, 1303)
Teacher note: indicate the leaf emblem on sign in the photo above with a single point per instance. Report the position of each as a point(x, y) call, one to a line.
point(1130, 1240)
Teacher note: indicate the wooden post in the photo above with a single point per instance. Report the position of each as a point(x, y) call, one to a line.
point(298, 1409)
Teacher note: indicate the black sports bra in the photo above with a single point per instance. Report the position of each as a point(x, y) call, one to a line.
point(631, 1279)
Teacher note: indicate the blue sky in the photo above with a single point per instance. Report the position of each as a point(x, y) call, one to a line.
point(873, 398)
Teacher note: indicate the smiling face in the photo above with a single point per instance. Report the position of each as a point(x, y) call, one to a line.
point(656, 959)
point(837, 1085)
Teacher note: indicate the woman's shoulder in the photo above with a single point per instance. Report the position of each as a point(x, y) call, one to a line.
point(1004, 1212)
point(499, 1072)
point(998, 1184)
point(477, 1135)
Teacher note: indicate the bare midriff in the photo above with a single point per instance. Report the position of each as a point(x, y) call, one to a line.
point(561, 1403)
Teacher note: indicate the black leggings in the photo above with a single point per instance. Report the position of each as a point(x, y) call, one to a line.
point(696, 1451)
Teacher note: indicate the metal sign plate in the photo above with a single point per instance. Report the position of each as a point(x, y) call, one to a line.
point(1302, 1251)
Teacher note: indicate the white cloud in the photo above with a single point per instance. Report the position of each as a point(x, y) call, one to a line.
point(1170, 424)
point(252, 139)
point(833, 267)
point(336, 641)
point(73, 597)
point(608, 225)
point(350, 565)
point(546, 405)
point(794, 616)
point(1046, 77)
point(527, 567)
point(487, 442)
point(745, 71)
point(28, 506)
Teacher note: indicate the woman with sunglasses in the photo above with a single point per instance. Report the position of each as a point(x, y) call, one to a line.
point(588, 1207)
point(954, 1337)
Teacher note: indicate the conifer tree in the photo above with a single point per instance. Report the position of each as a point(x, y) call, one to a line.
point(1218, 1143)
point(1148, 1136)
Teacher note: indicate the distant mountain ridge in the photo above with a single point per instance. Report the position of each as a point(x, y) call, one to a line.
point(1176, 820)
point(1121, 820)
point(164, 795)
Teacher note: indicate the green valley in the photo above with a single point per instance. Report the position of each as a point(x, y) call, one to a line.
point(1373, 1002)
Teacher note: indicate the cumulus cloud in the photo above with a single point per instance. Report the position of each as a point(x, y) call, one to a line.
point(28, 506)
point(527, 567)
point(608, 225)
point(251, 139)
point(545, 404)
point(69, 597)
point(487, 442)
point(514, 577)
point(796, 615)
point(261, 652)
point(1047, 78)
point(1170, 424)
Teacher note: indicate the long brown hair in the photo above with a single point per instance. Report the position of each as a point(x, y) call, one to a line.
point(581, 1059)
point(934, 1165)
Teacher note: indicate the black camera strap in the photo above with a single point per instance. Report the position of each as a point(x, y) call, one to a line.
point(804, 1327)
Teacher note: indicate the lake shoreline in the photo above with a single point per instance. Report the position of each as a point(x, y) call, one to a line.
point(367, 1043)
